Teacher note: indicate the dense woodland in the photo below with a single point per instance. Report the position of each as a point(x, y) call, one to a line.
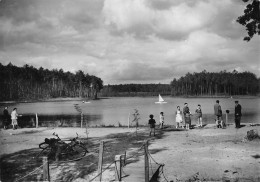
point(222, 83)
point(29, 83)
point(136, 90)
point(196, 84)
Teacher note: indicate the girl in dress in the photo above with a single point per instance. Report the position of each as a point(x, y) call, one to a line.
point(178, 117)
point(161, 120)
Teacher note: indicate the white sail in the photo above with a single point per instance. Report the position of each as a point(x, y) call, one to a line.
point(160, 98)
point(161, 101)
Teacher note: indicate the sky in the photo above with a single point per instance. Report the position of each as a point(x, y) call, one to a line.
point(127, 41)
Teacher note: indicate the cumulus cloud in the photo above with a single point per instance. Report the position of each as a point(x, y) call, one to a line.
point(130, 41)
point(138, 18)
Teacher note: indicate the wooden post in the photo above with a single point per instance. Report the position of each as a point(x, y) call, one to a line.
point(146, 162)
point(36, 119)
point(100, 160)
point(125, 158)
point(81, 124)
point(46, 174)
point(227, 119)
point(118, 168)
point(129, 120)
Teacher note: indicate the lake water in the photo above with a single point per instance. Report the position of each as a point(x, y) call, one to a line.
point(112, 111)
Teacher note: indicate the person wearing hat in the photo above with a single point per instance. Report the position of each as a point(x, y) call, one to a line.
point(238, 114)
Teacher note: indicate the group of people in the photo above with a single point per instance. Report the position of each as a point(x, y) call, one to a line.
point(185, 116)
point(218, 113)
point(6, 118)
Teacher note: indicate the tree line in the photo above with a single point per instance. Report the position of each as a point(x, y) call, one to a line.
point(29, 83)
point(221, 83)
point(204, 83)
point(135, 90)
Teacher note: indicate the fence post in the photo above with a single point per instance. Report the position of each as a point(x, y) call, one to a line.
point(227, 112)
point(36, 119)
point(146, 161)
point(118, 168)
point(100, 160)
point(46, 174)
point(81, 124)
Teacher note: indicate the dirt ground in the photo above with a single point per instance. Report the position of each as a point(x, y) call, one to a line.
point(207, 154)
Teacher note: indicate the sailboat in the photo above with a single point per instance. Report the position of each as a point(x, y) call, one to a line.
point(161, 101)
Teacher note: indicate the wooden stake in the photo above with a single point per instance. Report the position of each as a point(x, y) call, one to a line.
point(146, 162)
point(100, 160)
point(226, 119)
point(118, 168)
point(129, 120)
point(81, 125)
point(46, 174)
point(36, 119)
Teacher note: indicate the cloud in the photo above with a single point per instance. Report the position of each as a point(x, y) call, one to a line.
point(138, 18)
point(130, 41)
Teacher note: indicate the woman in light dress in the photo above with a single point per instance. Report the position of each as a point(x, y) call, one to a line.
point(178, 117)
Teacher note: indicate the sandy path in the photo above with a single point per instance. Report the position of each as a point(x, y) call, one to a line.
point(215, 154)
point(211, 154)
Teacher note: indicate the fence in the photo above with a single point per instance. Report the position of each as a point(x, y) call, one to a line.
point(119, 163)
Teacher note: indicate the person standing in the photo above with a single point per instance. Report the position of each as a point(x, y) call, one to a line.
point(186, 114)
point(5, 118)
point(161, 120)
point(14, 116)
point(152, 122)
point(238, 114)
point(198, 112)
point(218, 114)
point(178, 119)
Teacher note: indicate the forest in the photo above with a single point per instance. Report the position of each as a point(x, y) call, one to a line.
point(30, 83)
point(221, 83)
point(197, 84)
point(126, 90)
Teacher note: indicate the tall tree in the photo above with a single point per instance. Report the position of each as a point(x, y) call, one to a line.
point(251, 18)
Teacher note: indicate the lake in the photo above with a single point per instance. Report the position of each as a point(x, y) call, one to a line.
point(112, 111)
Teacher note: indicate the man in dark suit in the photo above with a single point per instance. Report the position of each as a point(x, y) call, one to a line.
point(238, 114)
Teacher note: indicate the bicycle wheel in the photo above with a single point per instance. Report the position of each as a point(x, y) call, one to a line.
point(43, 145)
point(76, 152)
point(45, 152)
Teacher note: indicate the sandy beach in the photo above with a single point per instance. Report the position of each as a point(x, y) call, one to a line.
point(207, 154)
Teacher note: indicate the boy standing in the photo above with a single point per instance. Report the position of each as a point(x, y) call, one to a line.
point(152, 125)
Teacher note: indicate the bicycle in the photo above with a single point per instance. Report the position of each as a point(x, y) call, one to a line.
point(60, 150)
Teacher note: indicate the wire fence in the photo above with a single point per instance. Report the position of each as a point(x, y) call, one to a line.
point(126, 157)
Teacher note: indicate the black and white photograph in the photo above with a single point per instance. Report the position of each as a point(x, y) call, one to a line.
point(130, 90)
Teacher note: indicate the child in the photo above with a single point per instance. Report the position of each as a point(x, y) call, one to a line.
point(178, 117)
point(161, 120)
point(152, 125)
point(14, 116)
point(187, 114)
point(198, 112)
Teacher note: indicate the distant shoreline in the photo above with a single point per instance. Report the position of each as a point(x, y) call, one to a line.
point(100, 98)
